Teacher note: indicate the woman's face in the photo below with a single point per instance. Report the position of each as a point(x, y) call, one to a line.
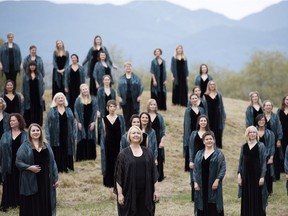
point(111, 108)
point(35, 132)
point(203, 122)
point(1, 105)
point(84, 90)
point(152, 106)
point(14, 123)
point(59, 44)
point(286, 101)
point(261, 122)
point(135, 122)
point(33, 51)
point(194, 100)
point(157, 53)
point(102, 56)
point(144, 119)
point(9, 87)
point(212, 86)
point(204, 69)
point(268, 107)
point(197, 91)
point(106, 81)
point(128, 68)
point(98, 41)
point(32, 67)
point(179, 50)
point(60, 100)
point(135, 135)
point(252, 134)
point(255, 98)
point(74, 59)
point(10, 38)
point(208, 141)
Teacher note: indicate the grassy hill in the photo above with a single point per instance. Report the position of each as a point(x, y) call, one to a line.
point(82, 193)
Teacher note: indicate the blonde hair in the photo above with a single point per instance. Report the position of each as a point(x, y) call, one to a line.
point(248, 129)
point(258, 95)
point(151, 101)
point(127, 63)
point(58, 51)
point(81, 96)
point(4, 103)
point(182, 55)
point(130, 131)
point(267, 101)
point(208, 87)
point(54, 104)
point(41, 138)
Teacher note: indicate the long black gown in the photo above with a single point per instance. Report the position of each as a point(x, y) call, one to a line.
point(93, 61)
point(160, 97)
point(40, 202)
point(251, 201)
point(86, 149)
point(63, 160)
point(12, 74)
point(1, 128)
point(180, 91)
point(284, 142)
point(256, 113)
point(34, 114)
point(203, 86)
point(112, 148)
point(10, 193)
point(214, 118)
point(74, 89)
point(13, 106)
point(61, 62)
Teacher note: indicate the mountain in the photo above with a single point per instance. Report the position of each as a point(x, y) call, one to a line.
point(137, 28)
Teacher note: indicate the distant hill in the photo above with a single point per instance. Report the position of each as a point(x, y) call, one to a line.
point(139, 27)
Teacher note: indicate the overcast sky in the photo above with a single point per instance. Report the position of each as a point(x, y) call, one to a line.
point(234, 9)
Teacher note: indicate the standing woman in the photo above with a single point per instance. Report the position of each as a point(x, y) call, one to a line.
point(254, 109)
point(13, 99)
point(9, 144)
point(102, 67)
point(190, 123)
point(33, 92)
point(196, 144)
point(209, 171)
point(158, 125)
point(113, 129)
point(146, 126)
point(274, 124)
point(251, 175)
point(85, 114)
point(10, 58)
point(159, 80)
point(201, 102)
point(283, 116)
point(60, 63)
point(215, 110)
point(73, 77)
point(136, 184)
point(203, 78)
point(267, 137)
point(60, 131)
point(179, 76)
point(35, 58)
point(4, 118)
point(38, 175)
point(129, 91)
point(92, 58)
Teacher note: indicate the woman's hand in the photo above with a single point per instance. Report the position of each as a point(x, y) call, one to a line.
point(239, 180)
point(261, 181)
point(215, 184)
point(161, 145)
point(191, 165)
point(34, 168)
point(92, 126)
point(196, 186)
point(155, 196)
point(56, 184)
point(79, 126)
point(121, 199)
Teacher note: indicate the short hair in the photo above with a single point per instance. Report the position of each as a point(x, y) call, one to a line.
point(156, 50)
point(111, 102)
point(149, 102)
point(106, 75)
point(259, 117)
point(10, 34)
point(14, 87)
point(130, 131)
point(200, 71)
point(267, 101)
point(58, 94)
point(193, 95)
point(41, 138)
point(127, 63)
point(75, 56)
point(32, 47)
point(3, 102)
point(20, 119)
point(208, 133)
point(248, 130)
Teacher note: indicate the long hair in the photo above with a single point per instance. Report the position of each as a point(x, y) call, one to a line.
point(28, 72)
point(200, 71)
point(258, 95)
point(41, 138)
point(14, 88)
point(207, 128)
point(149, 124)
point(81, 95)
point(248, 129)
point(151, 101)
point(182, 55)
point(57, 50)
point(283, 103)
point(94, 42)
point(54, 104)
point(208, 87)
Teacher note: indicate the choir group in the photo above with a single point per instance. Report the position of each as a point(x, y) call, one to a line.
point(132, 144)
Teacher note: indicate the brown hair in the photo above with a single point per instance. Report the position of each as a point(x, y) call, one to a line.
point(41, 138)
point(19, 118)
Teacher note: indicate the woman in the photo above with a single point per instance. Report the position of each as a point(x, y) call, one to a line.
point(190, 119)
point(283, 116)
point(13, 99)
point(251, 175)
point(146, 126)
point(274, 124)
point(4, 118)
point(158, 125)
point(286, 168)
point(203, 78)
point(9, 144)
point(136, 184)
point(73, 77)
point(267, 137)
point(254, 109)
point(39, 175)
point(10, 58)
point(85, 114)
point(201, 102)
point(196, 144)
point(209, 171)
point(134, 121)
point(102, 67)
point(129, 91)
point(113, 129)
point(215, 110)
point(92, 58)
point(60, 131)
point(35, 58)
point(159, 79)
point(33, 88)
point(179, 77)
point(60, 63)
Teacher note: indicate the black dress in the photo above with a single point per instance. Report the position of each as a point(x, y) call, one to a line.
point(128, 108)
point(34, 114)
point(63, 160)
point(214, 118)
point(107, 98)
point(284, 122)
point(161, 152)
point(40, 202)
point(10, 192)
point(74, 85)
point(180, 91)
point(93, 61)
point(160, 97)
point(58, 87)
point(13, 106)
point(1, 129)
point(208, 208)
point(86, 149)
point(256, 113)
point(11, 74)
point(203, 86)
point(251, 201)
point(144, 142)
point(112, 148)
